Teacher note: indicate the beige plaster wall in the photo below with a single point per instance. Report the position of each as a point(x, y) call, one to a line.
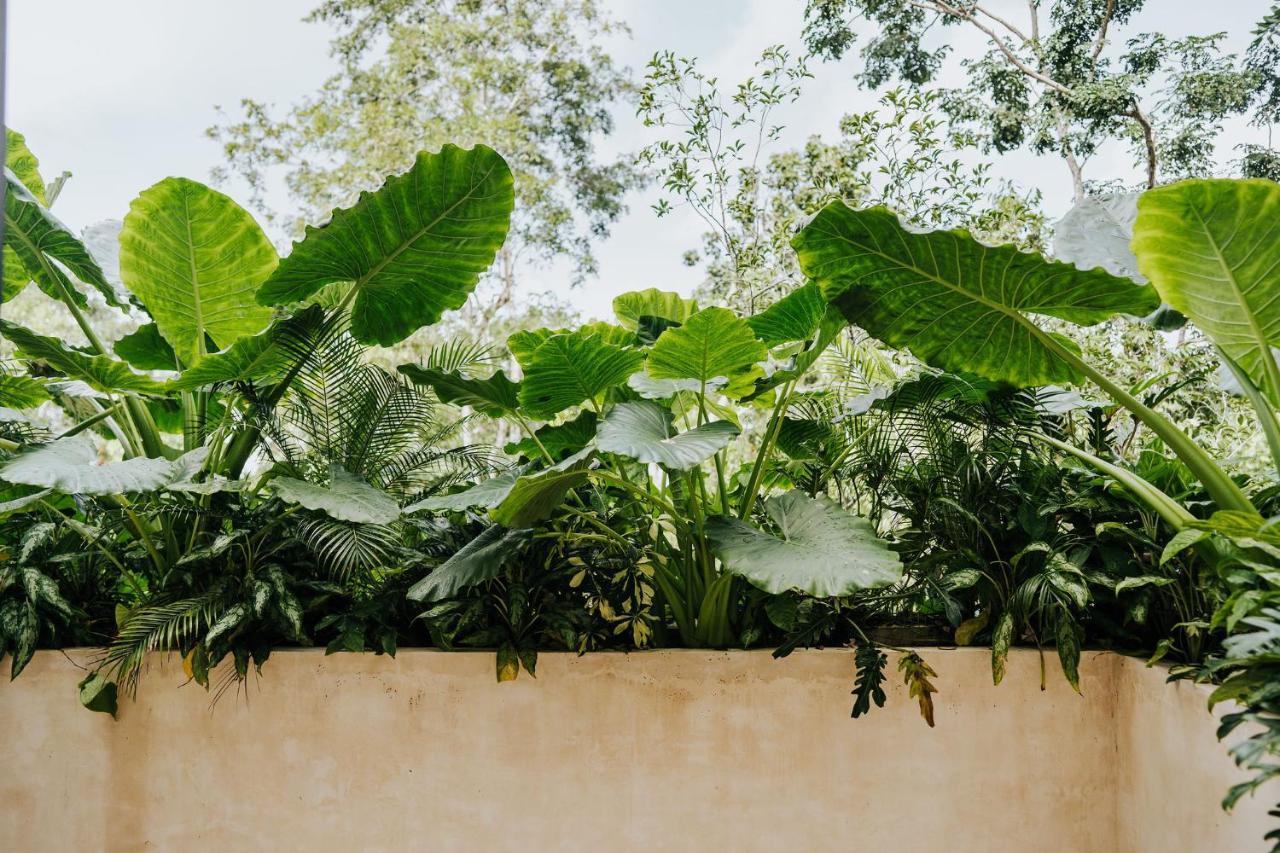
point(671, 751)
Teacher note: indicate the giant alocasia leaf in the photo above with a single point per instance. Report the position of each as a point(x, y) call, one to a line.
point(955, 302)
point(26, 168)
point(822, 550)
point(711, 344)
point(643, 431)
point(663, 304)
point(346, 497)
point(70, 465)
point(1212, 250)
point(412, 250)
point(794, 317)
point(102, 372)
point(266, 355)
point(195, 259)
point(567, 369)
point(535, 496)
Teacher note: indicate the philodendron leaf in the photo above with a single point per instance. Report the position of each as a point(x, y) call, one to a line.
point(70, 465)
point(567, 369)
point(481, 559)
point(1210, 248)
point(536, 496)
point(714, 343)
point(145, 349)
point(195, 259)
point(643, 431)
point(663, 304)
point(794, 317)
point(487, 494)
point(265, 355)
point(346, 498)
point(1097, 232)
point(412, 250)
point(822, 550)
point(101, 372)
point(956, 303)
point(494, 395)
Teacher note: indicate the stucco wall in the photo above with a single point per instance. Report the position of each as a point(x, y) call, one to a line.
point(672, 751)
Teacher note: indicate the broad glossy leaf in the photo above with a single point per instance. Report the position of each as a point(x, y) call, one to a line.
point(1097, 232)
point(1212, 250)
point(664, 304)
point(412, 250)
point(346, 498)
point(99, 371)
point(536, 496)
point(70, 465)
point(822, 550)
point(794, 317)
point(487, 494)
point(494, 395)
point(956, 303)
point(643, 431)
point(145, 349)
point(567, 369)
point(558, 440)
point(481, 559)
point(195, 259)
point(714, 343)
point(265, 355)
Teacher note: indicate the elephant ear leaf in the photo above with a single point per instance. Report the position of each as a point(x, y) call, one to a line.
point(1097, 232)
point(643, 431)
point(410, 251)
point(569, 368)
point(714, 343)
point(101, 372)
point(822, 550)
point(488, 494)
point(958, 304)
point(481, 559)
point(346, 498)
point(794, 317)
point(195, 258)
point(535, 496)
point(630, 307)
point(1210, 249)
point(146, 349)
point(70, 465)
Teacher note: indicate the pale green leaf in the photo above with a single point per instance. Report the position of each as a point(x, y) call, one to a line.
point(643, 431)
point(568, 369)
point(714, 343)
point(794, 317)
point(346, 497)
point(70, 465)
point(663, 304)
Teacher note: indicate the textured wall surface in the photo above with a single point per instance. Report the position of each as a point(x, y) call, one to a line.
point(670, 750)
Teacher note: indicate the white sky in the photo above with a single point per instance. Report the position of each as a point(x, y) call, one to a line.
point(120, 92)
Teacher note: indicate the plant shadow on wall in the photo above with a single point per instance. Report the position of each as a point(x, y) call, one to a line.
point(687, 474)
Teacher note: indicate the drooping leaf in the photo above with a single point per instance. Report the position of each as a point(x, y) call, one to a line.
point(346, 497)
point(1001, 640)
point(481, 559)
point(956, 303)
point(24, 165)
point(195, 259)
point(494, 395)
point(794, 317)
point(1210, 249)
point(535, 496)
point(821, 550)
point(567, 369)
point(1096, 233)
point(644, 432)
point(486, 494)
point(70, 465)
point(713, 343)
point(265, 355)
point(559, 440)
point(102, 372)
point(98, 694)
point(663, 304)
point(412, 250)
point(145, 349)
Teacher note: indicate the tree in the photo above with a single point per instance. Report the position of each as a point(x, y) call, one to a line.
point(1063, 82)
point(527, 77)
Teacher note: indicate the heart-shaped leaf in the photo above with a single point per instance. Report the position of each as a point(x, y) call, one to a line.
point(145, 349)
point(822, 549)
point(535, 496)
point(412, 250)
point(643, 431)
point(713, 343)
point(567, 369)
point(70, 465)
point(346, 498)
point(794, 317)
point(663, 304)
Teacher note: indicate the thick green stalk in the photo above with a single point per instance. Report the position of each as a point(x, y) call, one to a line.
point(766, 447)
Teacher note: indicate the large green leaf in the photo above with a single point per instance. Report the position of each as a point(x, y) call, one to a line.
point(412, 250)
point(102, 372)
point(956, 303)
point(195, 259)
point(713, 343)
point(535, 496)
point(822, 550)
point(794, 317)
point(265, 355)
point(486, 494)
point(1096, 232)
point(70, 465)
point(494, 395)
point(663, 304)
point(21, 392)
point(346, 498)
point(1212, 250)
point(481, 559)
point(558, 440)
point(145, 349)
point(523, 343)
point(567, 369)
point(644, 432)
point(26, 168)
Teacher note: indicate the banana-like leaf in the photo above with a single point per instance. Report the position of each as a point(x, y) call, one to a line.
point(794, 317)
point(102, 372)
point(1211, 249)
point(481, 559)
point(955, 302)
point(713, 343)
point(535, 497)
point(412, 250)
point(265, 355)
point(567, 369)
point(145, 349)
point(195, 259)
point(70, 465)
point(487, 494)
point(643, 431)
point(1097, 232)
point(494, 395)
point(346, 498)
point(663, 304)
point(822, 550)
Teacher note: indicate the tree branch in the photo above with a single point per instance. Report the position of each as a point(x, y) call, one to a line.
point(1149, 140)
point(1101, 40)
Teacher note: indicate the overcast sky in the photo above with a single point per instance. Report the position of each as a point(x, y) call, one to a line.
point(120, 92)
